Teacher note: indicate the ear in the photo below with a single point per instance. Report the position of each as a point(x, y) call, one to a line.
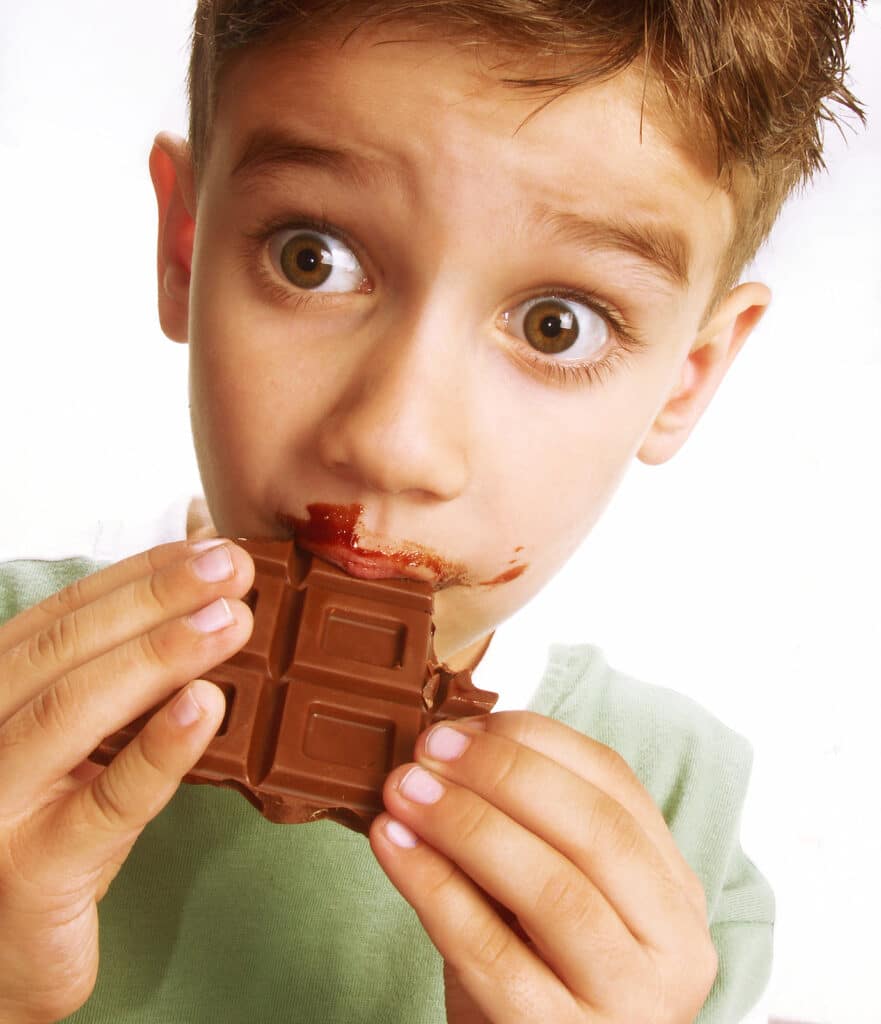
point(709, 360)
point(171, 169)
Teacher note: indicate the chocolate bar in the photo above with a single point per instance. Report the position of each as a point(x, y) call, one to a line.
point(329, 694)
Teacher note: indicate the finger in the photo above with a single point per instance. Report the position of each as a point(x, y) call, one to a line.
point(499, 972)
point(87, 589)
point(604, 768)
point(574, 817)
point(95, 628)
point(82, 832)
point(63, 723)
point(92, 629)
point(573, 927)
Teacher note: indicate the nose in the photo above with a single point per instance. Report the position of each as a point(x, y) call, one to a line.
point(401, 424)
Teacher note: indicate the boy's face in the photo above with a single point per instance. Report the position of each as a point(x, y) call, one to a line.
point(439, 374)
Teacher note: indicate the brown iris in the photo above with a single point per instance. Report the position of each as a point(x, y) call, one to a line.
point(550, 327)
point(306, 261)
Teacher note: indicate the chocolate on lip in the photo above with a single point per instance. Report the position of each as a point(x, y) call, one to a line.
point(335, 533)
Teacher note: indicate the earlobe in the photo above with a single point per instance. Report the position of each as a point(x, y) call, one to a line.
point(709, 359)
point(171, 171)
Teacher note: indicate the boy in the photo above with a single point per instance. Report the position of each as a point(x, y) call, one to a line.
point(480, 403)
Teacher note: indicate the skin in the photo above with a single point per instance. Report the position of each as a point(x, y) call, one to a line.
point(423, 418)
point(408, 396)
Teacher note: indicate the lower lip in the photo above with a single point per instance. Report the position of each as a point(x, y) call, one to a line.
point(369, 569)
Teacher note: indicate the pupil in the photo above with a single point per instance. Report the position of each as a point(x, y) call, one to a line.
point(551, 326)
point(307, 260)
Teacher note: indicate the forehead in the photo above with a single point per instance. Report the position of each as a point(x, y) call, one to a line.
point(438, 126)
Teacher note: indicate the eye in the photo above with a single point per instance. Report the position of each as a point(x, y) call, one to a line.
point(315, 261)
point(554, 325)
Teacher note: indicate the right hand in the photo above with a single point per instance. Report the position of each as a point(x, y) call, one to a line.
point(74, 669)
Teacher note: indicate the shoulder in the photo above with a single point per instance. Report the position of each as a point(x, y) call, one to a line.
point(660, 732)
point(26, 582)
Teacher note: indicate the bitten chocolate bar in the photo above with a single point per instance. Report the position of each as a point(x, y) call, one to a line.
point(329, 694)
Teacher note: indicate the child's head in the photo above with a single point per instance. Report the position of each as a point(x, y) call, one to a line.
point(463, 301)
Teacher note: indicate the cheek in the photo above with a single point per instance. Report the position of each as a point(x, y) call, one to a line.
point(229, 407)
point(565, 457)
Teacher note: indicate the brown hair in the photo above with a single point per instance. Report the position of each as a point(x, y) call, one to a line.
point(757, 78)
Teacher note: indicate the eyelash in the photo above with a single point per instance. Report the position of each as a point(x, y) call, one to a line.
point(627, 341)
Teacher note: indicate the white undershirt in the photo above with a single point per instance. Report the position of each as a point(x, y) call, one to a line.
point(108, 540)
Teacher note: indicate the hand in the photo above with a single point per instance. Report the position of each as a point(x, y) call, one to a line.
point(74, 669)
point(545, 876)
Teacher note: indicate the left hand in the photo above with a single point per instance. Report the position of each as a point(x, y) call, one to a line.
point(546, 877)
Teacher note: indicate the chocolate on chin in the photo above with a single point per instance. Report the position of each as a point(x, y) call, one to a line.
point(328, 695)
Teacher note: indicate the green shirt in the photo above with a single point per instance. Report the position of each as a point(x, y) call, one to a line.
point(220, 916)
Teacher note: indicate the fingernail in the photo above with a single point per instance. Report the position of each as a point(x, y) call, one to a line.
point(446, 744)
point(420, 787)
point(215, 617)
point(186, 708)
point(214, 566)
point(400, 835)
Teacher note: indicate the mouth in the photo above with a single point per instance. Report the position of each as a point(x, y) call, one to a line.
point(377, 566)
point(334, 533)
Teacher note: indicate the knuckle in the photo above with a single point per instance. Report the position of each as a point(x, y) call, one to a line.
point(507, 769)
point(66, 637)
point(154, 595)
point(611, 763)
point(155, 648)
point(49, 709)
point(520, 726)
point(108, 802)
point(489, 941)
point(151, 752)
point(154, 557)
point(471, 820)
point(441, 883)
point(65, 601)
point(42, 650)
point(566, 900)
point(612, 826)
point(48, 647)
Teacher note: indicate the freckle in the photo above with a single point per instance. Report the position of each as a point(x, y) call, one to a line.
point(518, 549)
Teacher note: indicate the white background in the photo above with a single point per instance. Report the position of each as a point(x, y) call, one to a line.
point(745, 573)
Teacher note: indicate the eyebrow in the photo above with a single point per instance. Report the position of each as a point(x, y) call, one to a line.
point(663, 248)
point(268, 151)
